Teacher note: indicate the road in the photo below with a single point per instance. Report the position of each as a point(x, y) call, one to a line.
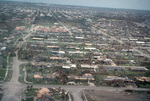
point(12, 88)
point(76, 91)
point(70, 33)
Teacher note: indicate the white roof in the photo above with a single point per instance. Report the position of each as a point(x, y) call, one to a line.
point(133, 39)
point(140, 42)
point(3, 48)
point(88, 66)
point(79, 37)
point(76, 52)
point(67, 67)
point(73, 65)
point(61, 52)
point(90, 48)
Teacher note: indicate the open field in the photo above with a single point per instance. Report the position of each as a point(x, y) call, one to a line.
point(115, 96)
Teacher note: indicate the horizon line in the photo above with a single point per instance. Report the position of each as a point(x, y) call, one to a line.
point(75, 5)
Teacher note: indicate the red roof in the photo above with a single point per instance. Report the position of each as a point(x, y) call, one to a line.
point(19, 28)
point(27, 18)
point(53, 26)
point(39, 29)
point(46, 30)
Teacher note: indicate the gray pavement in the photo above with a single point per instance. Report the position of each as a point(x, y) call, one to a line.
point(12, 88)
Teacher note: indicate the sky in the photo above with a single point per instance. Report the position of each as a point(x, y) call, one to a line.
point(128, 4)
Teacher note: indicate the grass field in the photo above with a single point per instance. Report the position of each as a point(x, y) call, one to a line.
point(1, 96)
point(10, 71)
point(2, 73)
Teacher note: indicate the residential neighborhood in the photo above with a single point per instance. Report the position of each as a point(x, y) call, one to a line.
point(58, 52)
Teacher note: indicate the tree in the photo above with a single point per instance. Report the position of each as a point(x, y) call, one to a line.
point(63, 95)
point(67, 96)
point(31, 87)
point(4, 62)
point(28, 87)
point(41, 70)
point(12, 54)
point(21, 39)
point(147, 73)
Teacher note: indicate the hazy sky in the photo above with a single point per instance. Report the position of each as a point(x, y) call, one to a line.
point(130, 4)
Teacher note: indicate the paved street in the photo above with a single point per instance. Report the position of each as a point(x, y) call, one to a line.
point(12, 88)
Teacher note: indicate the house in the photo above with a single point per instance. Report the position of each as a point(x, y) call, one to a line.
point(56, 48)
point(140, 42)
point(16, 19)
point(142, 79)
point(3, 48)
point(61, 52)
point(58, 52)
point(58, 65)
point(85, 77)
point(118, 68)
point(45, 94)
point(71, 83)
point(58, 58)
point(49, 77)
point(19, 28)
point(52, 46)
point(90, 67)
point(38, 77)
point(46, 30)
point(35, 38)
point(43, 91)
point(90, 48)
point(73, 47)
point(138, 69)
point(115, 79)
point(66, 67)
point(131, 39)
point(27, 19)
point(41, 64)
point(70, 66)
point(88, 44)
point(128, 50)
point(39, 28)
point(79, 37)
point(81, 60)
point(76, 52)
point(32, 45)
point(73, 66)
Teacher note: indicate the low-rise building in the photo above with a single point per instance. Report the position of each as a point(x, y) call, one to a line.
point(138, 69)
point(118, 68)
point(142, 79)
point(85, 77)
point(90, 67)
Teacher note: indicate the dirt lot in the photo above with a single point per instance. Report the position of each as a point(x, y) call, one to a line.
point(115, 96)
